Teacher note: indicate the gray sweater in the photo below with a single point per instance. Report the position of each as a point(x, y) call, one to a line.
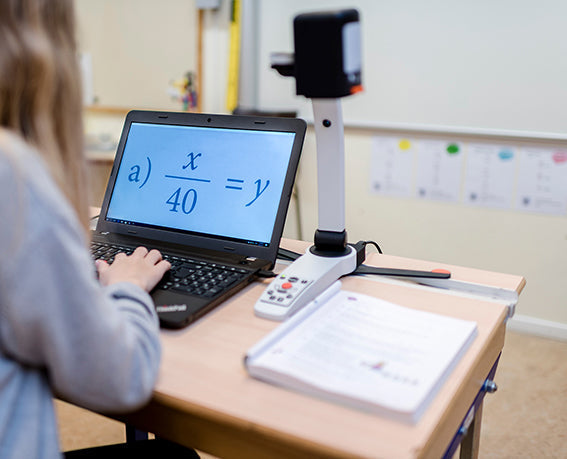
point(61, 333)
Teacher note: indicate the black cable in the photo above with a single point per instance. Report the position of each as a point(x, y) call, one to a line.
point(285, 254)
point(374, 244)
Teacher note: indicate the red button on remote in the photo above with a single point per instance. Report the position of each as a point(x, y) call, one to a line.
point(286, 285)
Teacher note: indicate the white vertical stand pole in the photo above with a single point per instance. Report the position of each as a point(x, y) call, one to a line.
point(329, 135)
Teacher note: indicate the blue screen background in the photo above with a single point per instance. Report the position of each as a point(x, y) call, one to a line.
point(225, 182)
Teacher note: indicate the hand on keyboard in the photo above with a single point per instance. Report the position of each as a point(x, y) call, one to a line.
point(142, 268)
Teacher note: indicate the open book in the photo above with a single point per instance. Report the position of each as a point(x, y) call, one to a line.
point(363, 352)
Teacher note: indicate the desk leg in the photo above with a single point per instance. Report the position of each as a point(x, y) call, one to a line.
point(468, 435)
point(471, 441)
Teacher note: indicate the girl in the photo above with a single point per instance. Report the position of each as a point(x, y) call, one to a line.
point(62, 332)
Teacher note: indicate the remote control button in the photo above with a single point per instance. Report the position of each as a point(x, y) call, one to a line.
point(287, 285)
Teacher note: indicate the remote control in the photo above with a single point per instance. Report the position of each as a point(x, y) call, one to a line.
point(301, 282)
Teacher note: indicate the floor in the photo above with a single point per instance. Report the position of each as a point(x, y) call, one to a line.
point(526, 417)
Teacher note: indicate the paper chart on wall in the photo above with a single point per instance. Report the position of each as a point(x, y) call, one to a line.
point(391, 166)
point(439, 169)
point(542, 181)
point(502, 176)
point(489, 175)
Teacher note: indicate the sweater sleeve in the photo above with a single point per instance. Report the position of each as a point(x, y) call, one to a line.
point(99, 346)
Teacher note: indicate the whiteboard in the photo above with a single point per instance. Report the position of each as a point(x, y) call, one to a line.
point(477, 64)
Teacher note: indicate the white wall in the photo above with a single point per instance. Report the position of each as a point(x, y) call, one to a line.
point(137, 48)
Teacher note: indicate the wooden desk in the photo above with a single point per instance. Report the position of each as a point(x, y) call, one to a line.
point(205, 399)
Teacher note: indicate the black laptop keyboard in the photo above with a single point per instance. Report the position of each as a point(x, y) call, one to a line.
point(187, 275)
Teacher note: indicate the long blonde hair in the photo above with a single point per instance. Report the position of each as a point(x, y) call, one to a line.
point(40, 89)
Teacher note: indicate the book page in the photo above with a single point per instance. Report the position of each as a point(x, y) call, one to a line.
point(367, 349)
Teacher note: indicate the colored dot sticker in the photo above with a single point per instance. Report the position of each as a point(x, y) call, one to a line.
point(452, 148)
point(559, 157)
point(404, 144)
point(506, 155)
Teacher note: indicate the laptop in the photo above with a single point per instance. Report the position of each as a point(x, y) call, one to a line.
point(211, 192)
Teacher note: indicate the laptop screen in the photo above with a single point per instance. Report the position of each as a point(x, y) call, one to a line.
point(218, 182)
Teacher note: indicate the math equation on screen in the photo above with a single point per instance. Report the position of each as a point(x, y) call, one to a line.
point(184, 184)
